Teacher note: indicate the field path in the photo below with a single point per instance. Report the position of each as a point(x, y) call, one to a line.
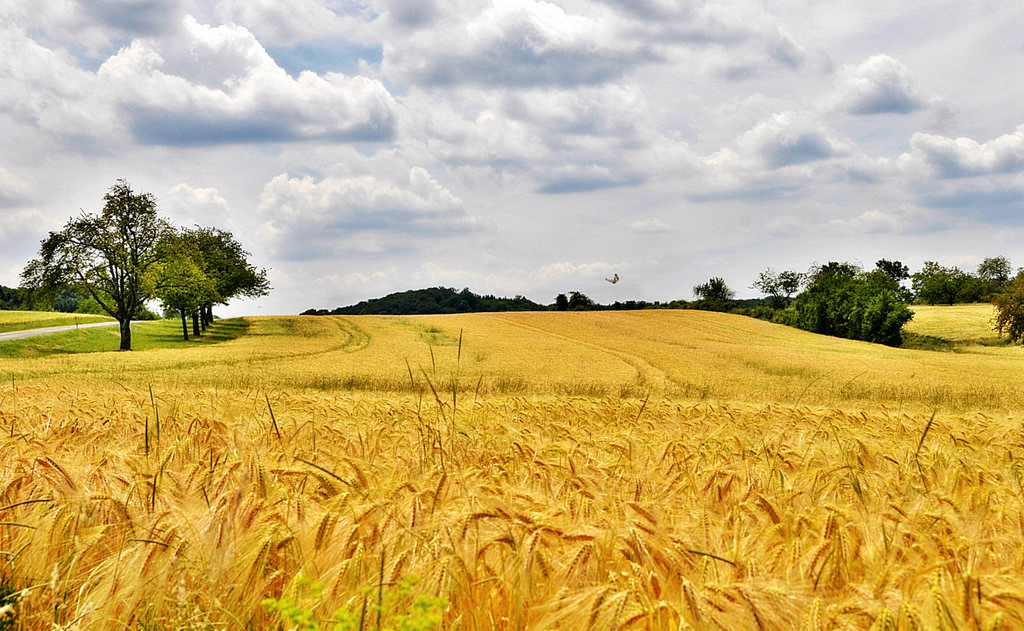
point(18, 335)
point(644, 368)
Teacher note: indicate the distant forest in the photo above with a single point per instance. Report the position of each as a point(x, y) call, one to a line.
point(440, 300)
point(431, 301)
point(838, 299)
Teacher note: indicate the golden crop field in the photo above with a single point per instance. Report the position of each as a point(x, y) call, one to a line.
point(958, 323)
point(593, 470)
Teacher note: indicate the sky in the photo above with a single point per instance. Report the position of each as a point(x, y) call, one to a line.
point(523, 147)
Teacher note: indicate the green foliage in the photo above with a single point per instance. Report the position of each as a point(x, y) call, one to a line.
point(993, 276)
point(715, 290)
point(224, 264)
point(146, 336)
point(9, 598)
point(109, 257)
point(66, 301)
point(183, 285)
point(119, 260)
point(893, 269)
point(431, 301)
point(995, 269)
point(713, 295)
point(780, 286)
point(1009, 306)
point(89, 305)
point(842, 301)
point(580, 302)
point(935, 285)
point(298, 612)
point(561, 302)
point(11, 299)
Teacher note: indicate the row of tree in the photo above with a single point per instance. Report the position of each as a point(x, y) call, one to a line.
point(843, 300)
point(127, 255)
point(933, 284)
point(838, 299)
point(63, 301)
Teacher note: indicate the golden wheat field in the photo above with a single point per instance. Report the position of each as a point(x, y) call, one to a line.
point(595, 470)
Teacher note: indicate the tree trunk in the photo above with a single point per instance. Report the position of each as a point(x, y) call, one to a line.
point(184, 324)
point(126, 333)
point(195, 323)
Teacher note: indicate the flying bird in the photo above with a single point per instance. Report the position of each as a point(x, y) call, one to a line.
point(613, 279)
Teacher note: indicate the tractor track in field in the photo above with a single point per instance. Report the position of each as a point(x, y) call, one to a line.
point(354, 339)
point(640, 365)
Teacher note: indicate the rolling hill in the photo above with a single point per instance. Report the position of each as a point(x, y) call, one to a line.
point(680, 354)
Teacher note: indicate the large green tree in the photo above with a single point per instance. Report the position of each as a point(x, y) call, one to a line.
point(183, 284)
point(714, 292)
point(993, 276)
point(780, 286)
point(110, 257)
point(1009, 304)
point(936, 284)
point(843, 301)
point(579, 301)
point(226, 264)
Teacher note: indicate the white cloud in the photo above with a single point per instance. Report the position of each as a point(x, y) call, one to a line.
point(586, 177)
point(784, 226)
point(130, 17)
point(13, 189)
point(580, 139)
point(283, 23)
point(45, 89)
point(313, 219)
point(514, 43)
point(564, 269)
point(783, 140)
point(92, 28)
point(19, 229)
point(404, 14)
point(706, 23)
point(651, 226)
point(869, 222)
point(964, 157)
point(525, 43)
point(188, 205)
point(878, 85)
point(217, 84)
point(725, 120)
point(612, 111)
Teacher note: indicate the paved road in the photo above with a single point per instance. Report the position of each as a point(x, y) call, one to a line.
point(17, 335)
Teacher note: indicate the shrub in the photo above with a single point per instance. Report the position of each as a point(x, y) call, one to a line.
point(1009, 306)
point(843, 301)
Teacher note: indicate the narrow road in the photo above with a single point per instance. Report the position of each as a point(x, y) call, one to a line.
point(18, 335)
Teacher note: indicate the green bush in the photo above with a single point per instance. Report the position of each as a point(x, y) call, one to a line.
point(843, 301)
point(385, 607)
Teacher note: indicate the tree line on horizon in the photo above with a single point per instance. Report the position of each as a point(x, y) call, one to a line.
point(119, 260)
point(838, 298)
point(844, 300)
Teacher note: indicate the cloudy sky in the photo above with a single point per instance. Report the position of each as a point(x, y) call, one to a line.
point(360, 147)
